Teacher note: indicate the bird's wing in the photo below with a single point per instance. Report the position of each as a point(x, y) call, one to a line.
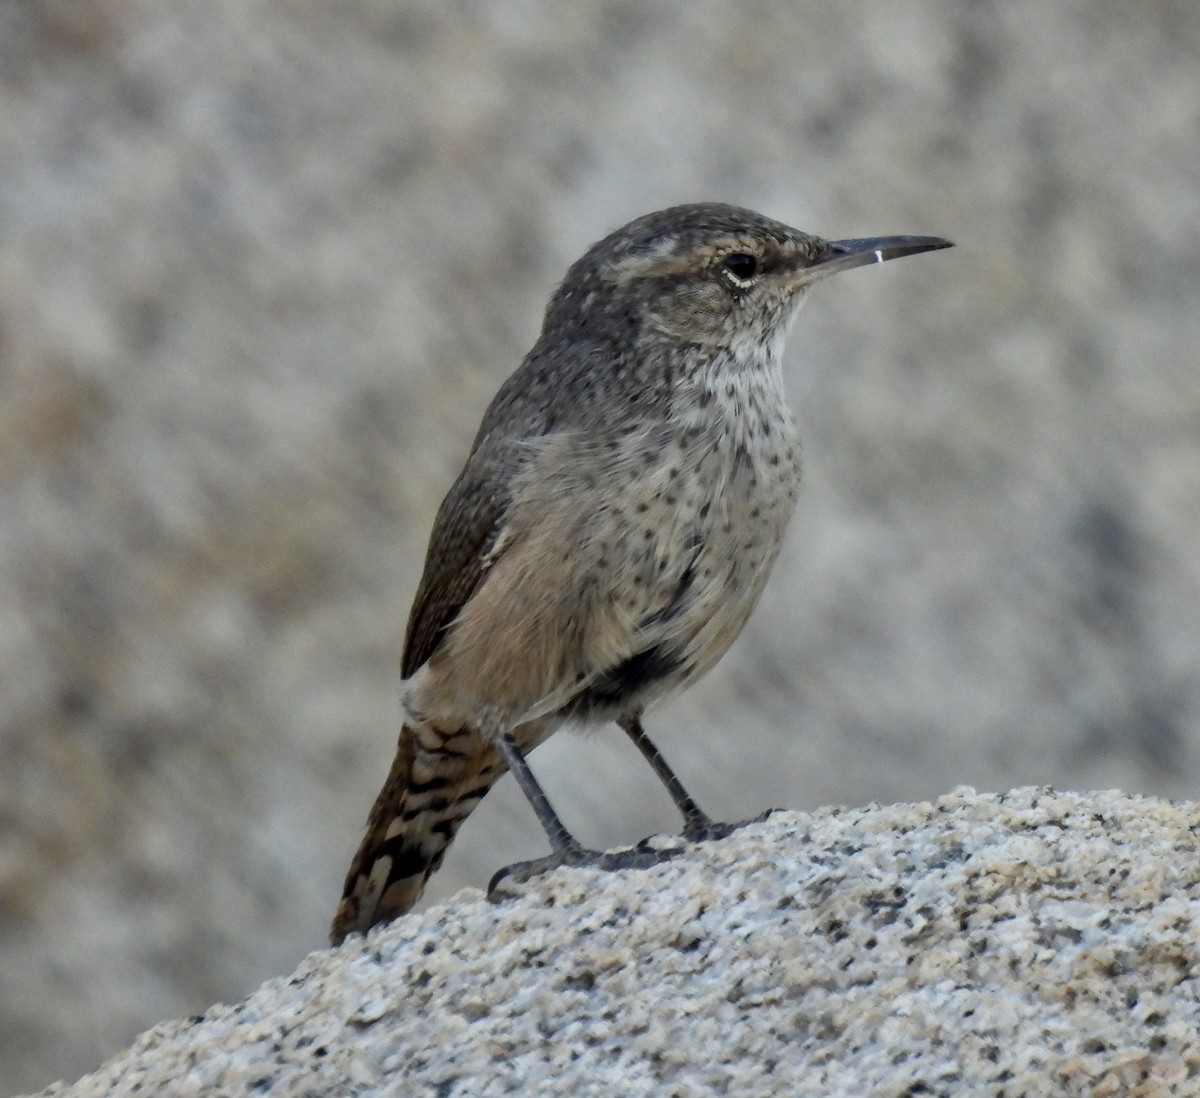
point(461, 547)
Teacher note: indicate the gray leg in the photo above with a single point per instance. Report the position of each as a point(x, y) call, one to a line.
point(561, 840)
point(567, 849)
point(697, 825)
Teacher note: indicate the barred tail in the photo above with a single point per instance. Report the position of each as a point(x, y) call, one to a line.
point(437, 778)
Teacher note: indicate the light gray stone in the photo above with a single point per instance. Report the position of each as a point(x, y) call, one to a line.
point(1034, 943)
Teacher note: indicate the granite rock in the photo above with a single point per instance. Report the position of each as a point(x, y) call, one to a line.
point(1030, 944)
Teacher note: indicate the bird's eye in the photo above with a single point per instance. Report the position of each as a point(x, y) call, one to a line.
point(741, 265)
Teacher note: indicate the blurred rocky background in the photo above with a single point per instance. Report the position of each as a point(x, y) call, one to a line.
point(264, 262)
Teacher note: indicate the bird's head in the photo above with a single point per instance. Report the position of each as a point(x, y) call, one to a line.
point(708, 275)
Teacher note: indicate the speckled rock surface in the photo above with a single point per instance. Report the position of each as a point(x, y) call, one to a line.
point(1035, 943)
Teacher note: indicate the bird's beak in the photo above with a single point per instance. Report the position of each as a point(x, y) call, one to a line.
point(842, 255)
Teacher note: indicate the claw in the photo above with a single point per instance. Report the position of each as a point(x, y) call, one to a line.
point(611, 861)
point(701, 829)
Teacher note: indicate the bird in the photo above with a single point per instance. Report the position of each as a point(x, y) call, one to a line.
point(609, 535)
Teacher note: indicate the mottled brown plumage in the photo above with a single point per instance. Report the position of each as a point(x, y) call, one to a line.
point(612, 530)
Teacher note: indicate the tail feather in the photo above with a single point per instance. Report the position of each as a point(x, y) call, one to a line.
point(436, 779)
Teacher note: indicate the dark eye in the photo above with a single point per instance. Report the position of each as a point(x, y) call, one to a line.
point(741, 265)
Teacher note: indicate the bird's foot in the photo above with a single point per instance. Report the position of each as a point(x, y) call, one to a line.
point(703, 830)
point(700, 829)
point(639, 857)
point(651, 851)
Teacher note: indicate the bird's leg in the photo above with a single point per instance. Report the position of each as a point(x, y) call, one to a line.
point(567, 850)
point(562, 842)
point(697, 824)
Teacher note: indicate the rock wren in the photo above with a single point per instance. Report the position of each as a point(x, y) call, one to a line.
point(611, 532)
